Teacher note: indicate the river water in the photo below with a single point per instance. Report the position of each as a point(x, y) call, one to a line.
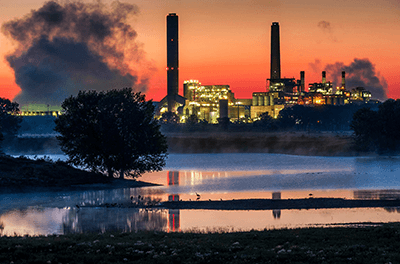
point(214, 177)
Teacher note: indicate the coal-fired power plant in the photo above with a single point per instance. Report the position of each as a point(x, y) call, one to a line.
point(216, 102)
point(172, 59)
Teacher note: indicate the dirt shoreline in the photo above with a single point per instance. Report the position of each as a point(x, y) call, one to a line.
point(259, 204)
point(269, 204)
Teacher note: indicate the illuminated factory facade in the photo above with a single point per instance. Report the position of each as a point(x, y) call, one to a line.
point(211, 102)
point(205, 101)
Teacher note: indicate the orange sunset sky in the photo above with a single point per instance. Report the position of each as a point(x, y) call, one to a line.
point(228, 41)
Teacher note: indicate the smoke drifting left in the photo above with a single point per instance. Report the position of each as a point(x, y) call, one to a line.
point(64, 48)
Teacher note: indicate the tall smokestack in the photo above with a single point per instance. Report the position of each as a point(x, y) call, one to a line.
point(301, 82)
point(172, 60)
point(323, 77)
point(343, 80)
point(275, 52)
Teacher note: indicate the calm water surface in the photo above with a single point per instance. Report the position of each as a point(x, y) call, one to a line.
point(215, 177)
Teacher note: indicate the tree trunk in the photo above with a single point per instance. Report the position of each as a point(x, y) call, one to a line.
point(110, 173)
point(121, 174)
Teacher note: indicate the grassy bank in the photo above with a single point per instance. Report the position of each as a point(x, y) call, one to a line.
point(314, 245)
point(26, 175)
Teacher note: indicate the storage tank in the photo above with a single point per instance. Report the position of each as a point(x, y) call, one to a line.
point(271, 100)
point(260, 100)
point(255, 100)
point(223, 108)
point(266, 100)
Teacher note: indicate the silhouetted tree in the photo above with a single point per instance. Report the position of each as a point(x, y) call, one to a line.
point(112, 131)
point(223, 122)
point(192, 123)
point(9, 121)
point(192, 120)
point(378, 130)
point(288, 117)
point(365, 125)
point(169, 122)
point(169, 118)
point(389, 122)
point(266, 122)
point(323, 117)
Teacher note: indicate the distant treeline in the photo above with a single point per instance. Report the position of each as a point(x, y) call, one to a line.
point(294, 118)
point(368, 129)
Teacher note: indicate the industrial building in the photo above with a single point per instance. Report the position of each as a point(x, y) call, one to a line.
point(40, 110)
point(205, 101)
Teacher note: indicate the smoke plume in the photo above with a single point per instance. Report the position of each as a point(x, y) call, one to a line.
point(64, 48)
point(360, 73)
point(315, 66)
point(325, 26)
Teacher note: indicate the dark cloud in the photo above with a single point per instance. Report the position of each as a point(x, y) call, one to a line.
point(64, 48)
point(360, 73)
point(325, 26)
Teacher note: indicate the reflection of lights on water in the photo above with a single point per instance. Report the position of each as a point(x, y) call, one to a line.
point(44, 221)
point(174, 220)
point(198, 177)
